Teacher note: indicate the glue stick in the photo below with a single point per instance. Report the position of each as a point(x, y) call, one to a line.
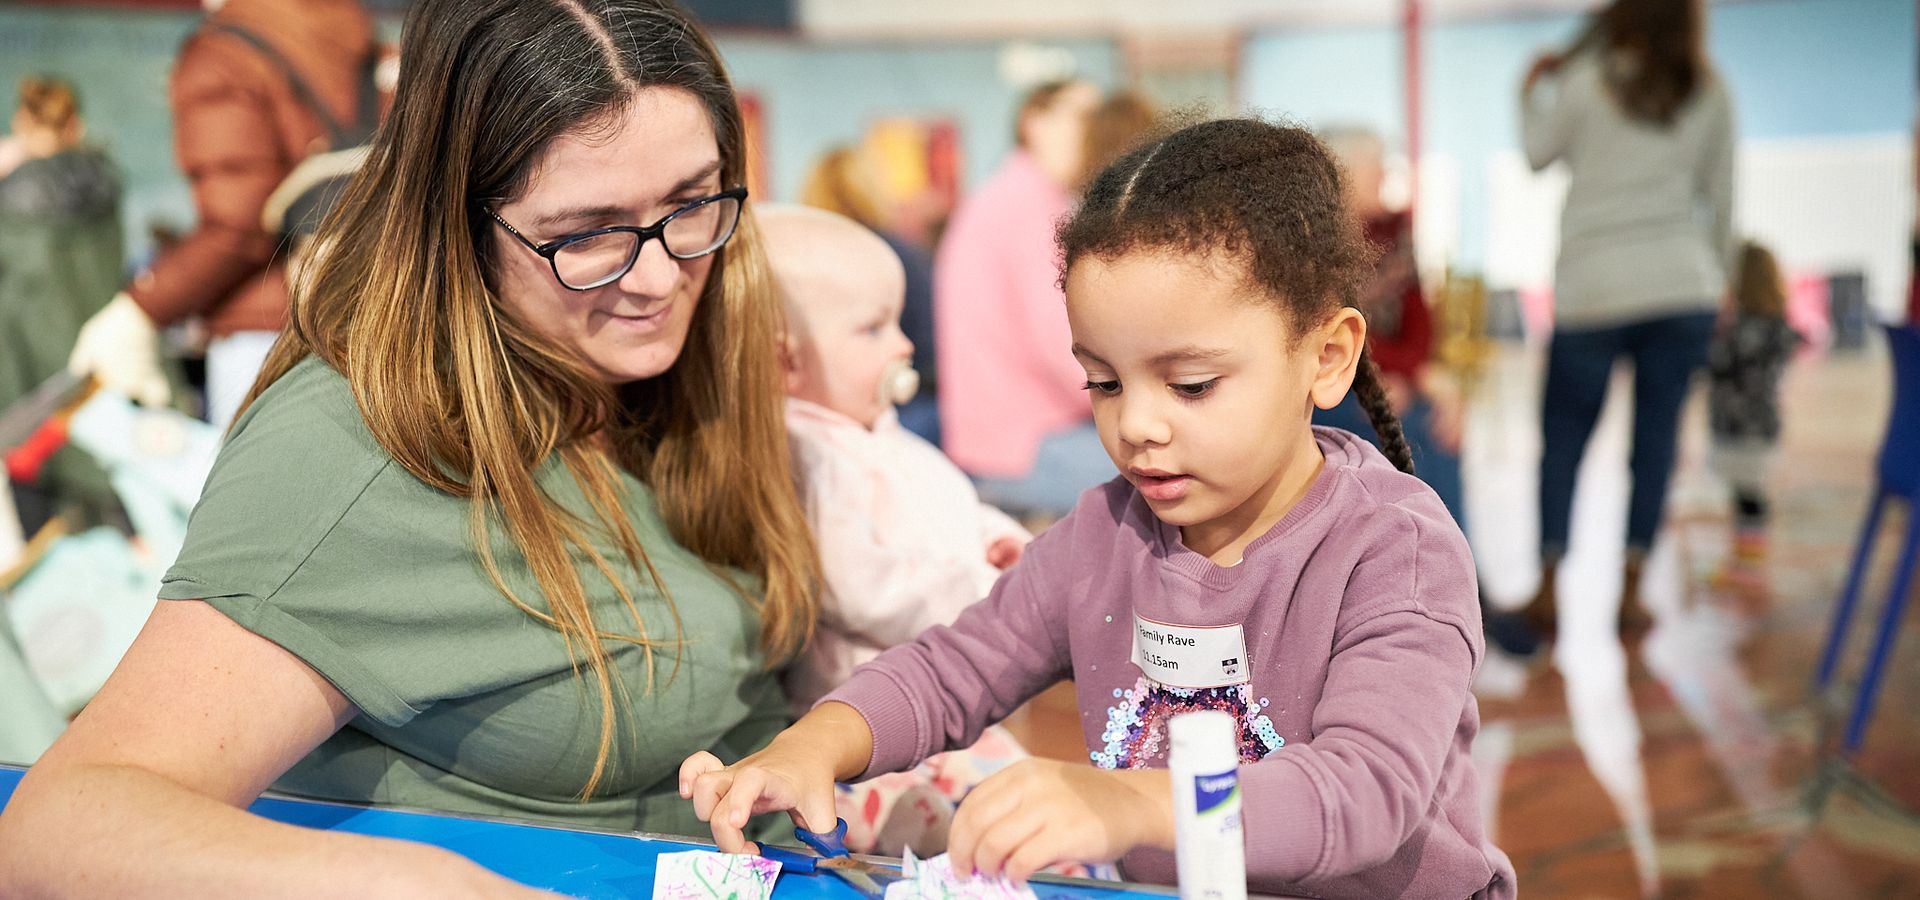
point(1208, 845)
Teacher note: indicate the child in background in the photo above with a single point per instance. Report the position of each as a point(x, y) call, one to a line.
point(1748, 355)
point(905, 543)
point(1245, 561)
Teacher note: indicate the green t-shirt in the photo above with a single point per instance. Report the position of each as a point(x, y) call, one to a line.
point(311, 536)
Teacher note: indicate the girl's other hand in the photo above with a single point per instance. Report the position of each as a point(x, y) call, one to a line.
point(1004, 552)
point(1039, 812)
point(777, 778)
point(794, 773)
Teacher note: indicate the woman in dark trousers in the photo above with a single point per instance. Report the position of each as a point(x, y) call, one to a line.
point(1645, 128)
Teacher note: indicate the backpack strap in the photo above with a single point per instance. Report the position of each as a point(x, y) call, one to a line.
point(339, 136)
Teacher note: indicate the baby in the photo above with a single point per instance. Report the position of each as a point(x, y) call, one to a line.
point(905, 543)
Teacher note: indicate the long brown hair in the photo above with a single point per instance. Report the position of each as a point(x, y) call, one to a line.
point(1652, 52)
point(1266, 195)
point(472, 401)
point(1758, 288)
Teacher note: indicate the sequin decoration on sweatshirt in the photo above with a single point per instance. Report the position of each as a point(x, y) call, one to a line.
point(1136, 733)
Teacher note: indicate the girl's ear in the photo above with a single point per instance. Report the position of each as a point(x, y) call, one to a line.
point(790, 369)
point(1337, 346)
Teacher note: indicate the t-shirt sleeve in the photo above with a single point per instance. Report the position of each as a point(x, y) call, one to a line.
point(289, 473)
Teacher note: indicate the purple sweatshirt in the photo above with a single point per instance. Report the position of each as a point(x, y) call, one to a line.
point(1360, 624)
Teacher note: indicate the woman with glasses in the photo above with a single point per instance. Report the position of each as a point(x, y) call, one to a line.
point(506, 527)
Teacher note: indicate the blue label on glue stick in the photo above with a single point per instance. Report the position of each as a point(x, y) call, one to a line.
point(1210, 791)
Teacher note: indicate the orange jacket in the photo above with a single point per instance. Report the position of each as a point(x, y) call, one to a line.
point(238, 129)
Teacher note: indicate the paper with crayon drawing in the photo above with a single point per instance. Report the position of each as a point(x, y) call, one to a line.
point(934, 879)
point(712, 875)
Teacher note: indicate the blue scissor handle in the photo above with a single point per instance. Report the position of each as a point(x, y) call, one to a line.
point(826, 843)
point(791, 861)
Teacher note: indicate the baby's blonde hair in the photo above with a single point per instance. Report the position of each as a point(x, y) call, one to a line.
point(786, 227)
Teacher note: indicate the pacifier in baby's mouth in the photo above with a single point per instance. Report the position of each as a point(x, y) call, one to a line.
point(898, 383)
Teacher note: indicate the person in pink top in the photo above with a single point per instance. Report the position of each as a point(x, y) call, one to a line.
point(905, 544)
point(1245, 562)
point(1012, 410)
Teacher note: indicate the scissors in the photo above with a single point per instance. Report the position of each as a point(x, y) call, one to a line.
point(862, 876)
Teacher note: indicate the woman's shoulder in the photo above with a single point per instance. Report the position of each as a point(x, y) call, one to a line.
point(303, 432)
point(294, 465)
point(312, 399)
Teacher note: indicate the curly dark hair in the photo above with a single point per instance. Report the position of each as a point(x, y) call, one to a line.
point(1266, 195)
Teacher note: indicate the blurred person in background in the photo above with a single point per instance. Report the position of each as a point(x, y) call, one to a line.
point(1748, 356)
point(846, 181)
point(1399, 326)
point(1400, 337)
point(61, 259)
point(1123, 121)
point(240, 125)
point(1013, 410)
point(1645, 127)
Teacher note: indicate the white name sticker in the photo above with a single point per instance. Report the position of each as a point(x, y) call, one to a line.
point(1186, 656)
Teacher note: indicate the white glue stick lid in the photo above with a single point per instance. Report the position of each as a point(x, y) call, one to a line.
point(1205, 738)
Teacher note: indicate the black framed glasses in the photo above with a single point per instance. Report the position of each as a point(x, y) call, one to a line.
point(591, 259)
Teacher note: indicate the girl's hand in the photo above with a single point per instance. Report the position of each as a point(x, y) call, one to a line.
point(1004, 552)
point(777, 778)
point(795, 773)
point(1039, 812)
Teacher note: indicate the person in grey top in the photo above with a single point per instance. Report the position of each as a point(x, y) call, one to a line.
point(1645, 128)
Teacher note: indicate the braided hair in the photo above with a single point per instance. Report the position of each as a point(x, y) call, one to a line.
point(1267, 195)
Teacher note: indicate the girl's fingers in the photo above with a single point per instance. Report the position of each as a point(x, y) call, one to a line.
point(983, 807)
point(1006, 837)
point(696, 765)
point(708, 789)
point(817, 813)
point(730, 814)
point(1034, 855)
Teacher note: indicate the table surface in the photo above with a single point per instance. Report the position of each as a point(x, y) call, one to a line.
point(570, 861)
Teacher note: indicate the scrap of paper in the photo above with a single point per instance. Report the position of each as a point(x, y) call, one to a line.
point(712, 875)
point(933, 879)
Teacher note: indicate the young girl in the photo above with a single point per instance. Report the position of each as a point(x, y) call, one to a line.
point(1746, 359)
point(1244, 561)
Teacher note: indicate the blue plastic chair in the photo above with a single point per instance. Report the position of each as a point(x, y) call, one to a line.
point(1898, 477)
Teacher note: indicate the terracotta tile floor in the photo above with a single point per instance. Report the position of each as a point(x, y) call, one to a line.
point(1690, 767)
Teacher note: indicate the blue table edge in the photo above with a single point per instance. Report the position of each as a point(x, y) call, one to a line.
point(10, 775)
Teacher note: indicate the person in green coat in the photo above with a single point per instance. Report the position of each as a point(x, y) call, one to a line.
point(506, 527)
point(61, 260)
